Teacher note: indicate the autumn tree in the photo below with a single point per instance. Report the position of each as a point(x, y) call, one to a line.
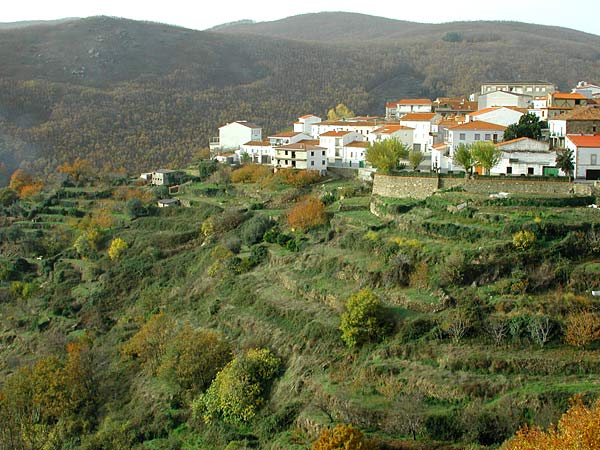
point(385, 155)
point(582, 329)
point(463, 157)
point(340, 112)
point(24, 184)
point(578, 428)
point(308, 213)
point(149, 344)
point(116, 248)
point(486, 155)
point(78, 171)
point(194, 357)
point(363, 319)
point(239, 390)
point(342, 437)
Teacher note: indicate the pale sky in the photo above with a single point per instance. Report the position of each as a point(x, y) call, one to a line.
point(201, 14)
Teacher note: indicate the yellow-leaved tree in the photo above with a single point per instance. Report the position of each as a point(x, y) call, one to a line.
point(342, 437)
point(578, 428)
point(116, 249)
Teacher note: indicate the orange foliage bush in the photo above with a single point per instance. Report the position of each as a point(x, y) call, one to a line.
point(309, 212)
point(582, 329)
point(78, 170)
point(29, 190)
point(24, 184)
point(578, 428)
point(251, 173)
point(125, 193)
point(342, 437)
point(298, 178)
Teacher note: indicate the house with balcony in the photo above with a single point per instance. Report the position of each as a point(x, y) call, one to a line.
point(335, 143)
point(525, 156)
point(424, 126)
point(287, 137)
point(586, 150)
point(300, 155)
point(234, 134)
point(259, 152)
point(576, 121)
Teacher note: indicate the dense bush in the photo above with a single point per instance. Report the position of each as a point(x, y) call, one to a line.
point(253, 230)
point(238, 390)
point(307, 213)
point(363, 319)
point(342, 437)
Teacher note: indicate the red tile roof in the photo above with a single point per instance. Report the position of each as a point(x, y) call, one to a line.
point(478, 125)
point(589, 113)
point(392, 128)
point(568, 96)
point(309, 141)
point(359, 144)
point(258, 143)
point(336, 133)
point(418, 117)
point(415, 101)
point(300, 146)
point(285, 134)
point(247, 124)
point(585, 141)
point(306, 116)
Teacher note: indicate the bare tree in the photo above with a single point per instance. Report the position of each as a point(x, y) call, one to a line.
point(497, 329)
point(540, 328)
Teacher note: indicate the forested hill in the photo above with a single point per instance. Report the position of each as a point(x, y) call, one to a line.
point(139, 95)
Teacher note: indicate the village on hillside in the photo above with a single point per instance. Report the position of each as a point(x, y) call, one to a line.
point(435, 130)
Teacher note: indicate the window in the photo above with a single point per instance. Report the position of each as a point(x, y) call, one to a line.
point(593, 160)
point(323, 152)
point(312, 163)
point(508, 170)
point(477, 137)
point(488, 136)
point(462, 136)
point(495, 138)
point(323, 162)
point(286, 153)
point(312, 153)
point(593, 129)
point(530, 171)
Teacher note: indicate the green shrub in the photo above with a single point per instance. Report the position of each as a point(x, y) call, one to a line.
point(363, 320)
point(253, 230)
point(443, 427)
point(238, 390)
point(522, 240)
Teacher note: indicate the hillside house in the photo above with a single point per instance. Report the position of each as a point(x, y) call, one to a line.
point(408, 106)
point(260, 152)
point(586, 149)
point(577, 121)
point(305, 123)
point(560, 103)
point(363, 127)
point(451, 106)
point(588, 90)
point(234, 134)
point(503, 98)
point(500, 115)
point(393, 131)
point(424, 125)
point(287, 137)
point(530, 88)
point(300, 155)
point(525, 156)
point(165, 177)
point(335, 143)
point(466, 133)
point(168, 202)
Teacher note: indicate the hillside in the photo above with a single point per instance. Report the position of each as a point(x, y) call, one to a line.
point(137, 95)
point(480, 324)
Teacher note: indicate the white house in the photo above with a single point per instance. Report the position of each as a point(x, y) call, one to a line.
point(305, 123)
point(413, 105)
point(525, 156)
point(393, 131)
point(234, 134)
point(301, 156)
point(531, 88)
point(502, 98)
point(576, 121)
point(589, 90)
point(586, 149)
point(423, 125)
point(500, 115)
point(335, 142)
point(362, 127)
point(287, 137)
point(467, 133)
point(440, 157)
point(353, 154)
point(260, 152)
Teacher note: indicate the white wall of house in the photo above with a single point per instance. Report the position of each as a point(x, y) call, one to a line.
point(335, 144)
point(501, 98)
point(260, 154)
point(403, 109)
point(353, 154)
point(524, 157)
point(233, 135)
point(286, 138)
point(305, 124)
point(500, 116)
point(314, 158)
point(586, 158)
point(404, 136)
point(457, 137)
point(362, 128)
point(422, 140)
